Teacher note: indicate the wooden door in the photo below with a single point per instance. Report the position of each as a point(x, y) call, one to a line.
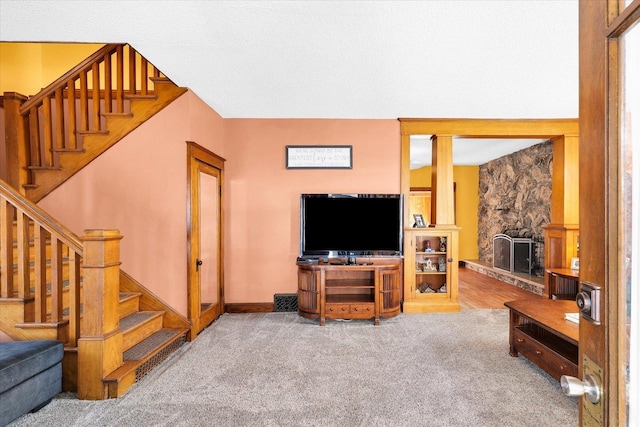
point(609, 203)
point(390, 288)
point(205, 255)
point(309, 290)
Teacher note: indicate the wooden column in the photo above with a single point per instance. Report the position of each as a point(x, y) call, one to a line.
point(100, 345)
point(442, 213)
point(562, 234)
point(17, 149)
point(565, 187)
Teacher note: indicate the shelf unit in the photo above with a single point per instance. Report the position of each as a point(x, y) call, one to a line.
point(431, 270)
point(327, 291)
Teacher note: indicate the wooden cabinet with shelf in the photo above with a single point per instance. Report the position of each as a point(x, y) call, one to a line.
point(431, 270)
point(562, 283)
point(328, 291)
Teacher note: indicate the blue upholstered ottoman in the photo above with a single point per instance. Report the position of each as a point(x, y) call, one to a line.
point(30, 376)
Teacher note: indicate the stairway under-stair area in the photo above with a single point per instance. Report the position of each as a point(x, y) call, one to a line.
point(54, 284)
point(49, 300)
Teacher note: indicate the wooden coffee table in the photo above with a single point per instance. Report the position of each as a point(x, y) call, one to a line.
point(538, 330)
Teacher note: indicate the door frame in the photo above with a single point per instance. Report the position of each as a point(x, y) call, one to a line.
point(600, 25)
point(196, 155)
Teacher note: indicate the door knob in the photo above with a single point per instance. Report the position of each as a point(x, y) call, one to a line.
point(198, 264)
point(572, 386)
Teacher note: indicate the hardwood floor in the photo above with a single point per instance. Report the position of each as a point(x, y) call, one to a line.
point(475, 290)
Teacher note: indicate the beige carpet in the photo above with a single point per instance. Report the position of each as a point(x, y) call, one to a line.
point(278, 369)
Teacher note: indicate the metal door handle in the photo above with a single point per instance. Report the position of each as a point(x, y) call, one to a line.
point(572, 386)
point(198, 264)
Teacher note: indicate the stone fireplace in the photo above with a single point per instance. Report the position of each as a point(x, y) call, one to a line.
point(513, 254)
point(515, 200)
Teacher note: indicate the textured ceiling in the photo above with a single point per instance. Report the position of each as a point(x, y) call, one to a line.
point(338, 59)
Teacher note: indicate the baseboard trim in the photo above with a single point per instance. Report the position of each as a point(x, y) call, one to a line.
point(249, 307)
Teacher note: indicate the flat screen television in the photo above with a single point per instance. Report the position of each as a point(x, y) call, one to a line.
point(350, 225)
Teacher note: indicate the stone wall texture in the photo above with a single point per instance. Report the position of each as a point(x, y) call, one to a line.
point(515, 199)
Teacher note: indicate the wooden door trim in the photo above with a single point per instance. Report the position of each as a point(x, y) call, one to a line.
point(198, 154)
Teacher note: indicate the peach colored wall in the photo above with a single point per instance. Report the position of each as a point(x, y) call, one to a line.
point(263, 197)
point(139, 187)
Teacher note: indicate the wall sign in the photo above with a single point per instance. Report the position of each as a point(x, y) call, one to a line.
point(319, 157)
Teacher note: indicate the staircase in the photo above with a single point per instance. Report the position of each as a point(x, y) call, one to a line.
point(57, 132)
point(54, 284)
point(146, 342)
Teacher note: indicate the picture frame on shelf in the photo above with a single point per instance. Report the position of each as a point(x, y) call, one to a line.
point(419, 221)
point(575, 263)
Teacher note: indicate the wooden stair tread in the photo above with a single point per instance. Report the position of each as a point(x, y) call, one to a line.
point(45, 168)
point(121, 115)
point(69, 150)
point(137, 96)
point(124, 296)
point(93, 132)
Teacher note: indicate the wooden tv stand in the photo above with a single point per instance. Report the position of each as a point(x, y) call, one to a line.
point(538, 330)
point(358, 291)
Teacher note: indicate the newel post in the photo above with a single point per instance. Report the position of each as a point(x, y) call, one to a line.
point(100, 344)
point(17, 147)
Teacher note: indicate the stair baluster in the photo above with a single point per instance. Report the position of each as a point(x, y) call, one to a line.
point(80, 103)
point(49, 287)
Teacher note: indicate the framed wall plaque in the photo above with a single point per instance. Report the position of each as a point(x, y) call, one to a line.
point(319, 157)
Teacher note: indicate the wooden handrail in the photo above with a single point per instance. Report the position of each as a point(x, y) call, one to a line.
point(40, 217)
point(78, 103)
point(63, 81)
point(38, 238)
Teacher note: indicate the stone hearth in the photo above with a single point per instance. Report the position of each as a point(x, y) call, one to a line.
point(529, 283)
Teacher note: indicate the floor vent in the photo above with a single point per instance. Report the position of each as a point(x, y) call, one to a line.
point(285, 302)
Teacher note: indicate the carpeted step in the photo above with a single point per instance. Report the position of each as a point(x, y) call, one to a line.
point(142, 358)
point(138, 326)
point(146, 347)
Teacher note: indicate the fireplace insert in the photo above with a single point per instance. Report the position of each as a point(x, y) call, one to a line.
point(513, 254)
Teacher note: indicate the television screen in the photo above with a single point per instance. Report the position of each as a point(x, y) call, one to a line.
point(350, 224)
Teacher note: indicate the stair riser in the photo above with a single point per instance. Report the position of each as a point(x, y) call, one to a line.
point(65, 304)
point(129, 306)
point(12, 323)
point(119, 388)
point(33, 334)
point(13, 312)
point(133, 337)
